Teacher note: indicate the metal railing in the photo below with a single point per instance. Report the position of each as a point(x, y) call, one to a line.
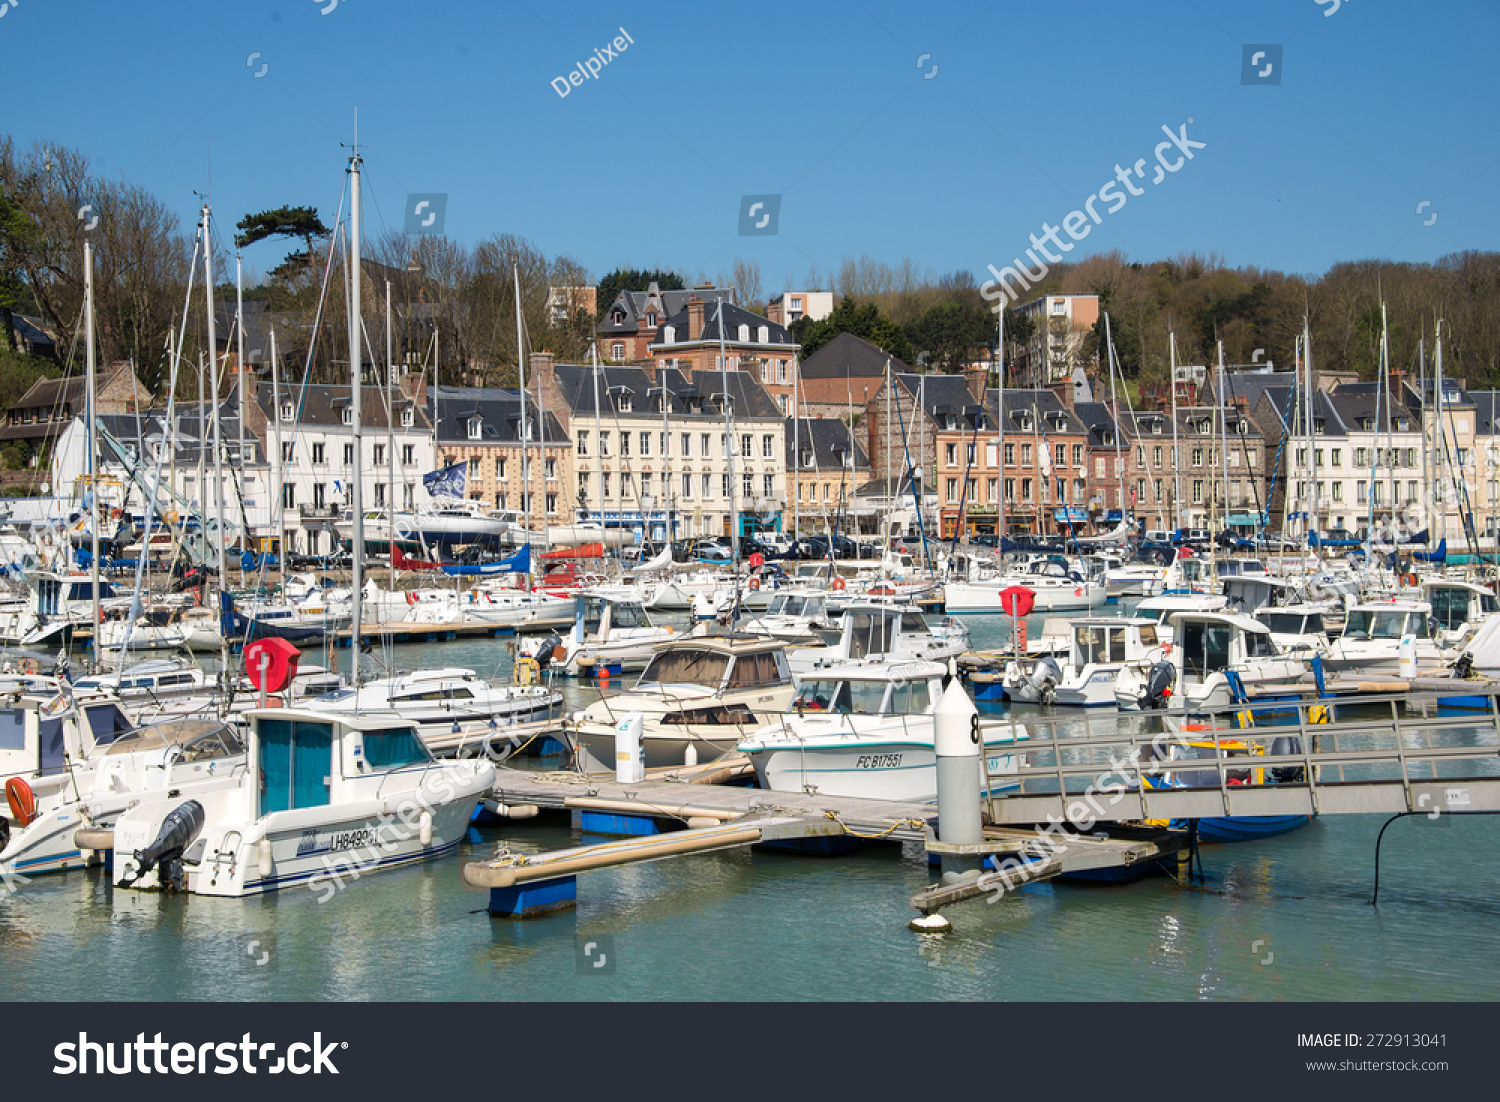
point(1371, 755)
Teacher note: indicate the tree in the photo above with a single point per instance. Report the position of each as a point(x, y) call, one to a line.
point(634, 279)
point(746, 283)
point(299, 222)
point(17, 233)
point(849, 316)
point(953, 332)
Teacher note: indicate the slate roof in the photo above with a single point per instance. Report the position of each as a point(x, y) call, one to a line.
point(635, 305)
point(695, 394)
point(499, 411)
point(734, 318)
point(824, 443)
point(322, 405)
point(1096, 417)
point(848, 356)
point(1042, 403)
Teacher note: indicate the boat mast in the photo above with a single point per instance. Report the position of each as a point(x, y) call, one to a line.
point(1176, 460)
point(667, 530)
point(1224, 430)
point(598, 440)
point(277, 492)
point(356, 366)
point(526, 495)
point(1109, 357)
point(729, 439)
point(90, 370)
point(390, 433)
point(239, 373)
point(213, 379)
point(999, 433)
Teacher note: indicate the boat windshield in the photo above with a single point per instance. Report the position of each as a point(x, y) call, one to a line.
point(686, 667)
point(843, 697)
point(778, 605)
point(1098, 644)
point(1259, 644)
point(1284, 623)
point(1367, 623)
point(200, 739)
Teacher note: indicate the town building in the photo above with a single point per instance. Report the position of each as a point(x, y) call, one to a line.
point(691, 341)
point(627, 328)
point(843, 375)
point(825, 466)
point(652, 451)
point(484, 428)
point(1055, 349)
point(791, 306)
point(49, 406)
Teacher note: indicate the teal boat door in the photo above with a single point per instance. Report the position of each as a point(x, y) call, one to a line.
point(296, 764)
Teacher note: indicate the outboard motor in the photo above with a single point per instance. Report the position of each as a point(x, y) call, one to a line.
point(1158, 686)
point(1286, 774)
point(543, 654)
point(178, 830)
point(1045, 676)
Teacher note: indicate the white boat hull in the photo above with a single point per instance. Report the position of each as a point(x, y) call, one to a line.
point(984, 597)
point(902, 771)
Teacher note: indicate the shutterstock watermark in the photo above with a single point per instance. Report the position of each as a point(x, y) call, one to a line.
point(590, 68)
point(1171, 155)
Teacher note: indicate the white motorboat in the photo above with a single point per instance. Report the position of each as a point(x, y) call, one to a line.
point(608, 636)
point(1099, 648)
point(444, 702)
point(1161, 609)
point(188, 758)
point(324, 797)
point(173, 688)
point(865, 729)
point(1213, 656)
point(1459, 607)
point(698, 697)
point(452, 523)
point(795, 617)
point(1297, 630)
point(156, 630)
point(881, 631)
point(507, 606)
point(1374, 633)
point(1056, 586)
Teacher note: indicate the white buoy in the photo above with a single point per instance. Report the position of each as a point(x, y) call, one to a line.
point(630, 755)
point(931, 924)
point(690, 755)
point(424, 829)
point(956, 740)
point(263, 859)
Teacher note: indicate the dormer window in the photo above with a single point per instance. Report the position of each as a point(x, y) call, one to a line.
point(288, 411)
point(950, 421)
point(1023, 420)
point(651, 319)
point(806, 459)
point(1205, 427)
point(1367, 423)
point(1318, 427)
point(744, 334)
point(1242, 427)
point(625, 405)
point(764, 335)
point(476, 427)
point(1403, 425)
point(617, 317)
point(669, 334)
point(348, 415)
point(408, 418)
point(1155, 428)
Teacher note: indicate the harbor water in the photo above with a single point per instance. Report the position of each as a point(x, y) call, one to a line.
point(1286, 918)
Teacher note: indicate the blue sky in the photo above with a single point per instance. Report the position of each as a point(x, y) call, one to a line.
point(1382, 106)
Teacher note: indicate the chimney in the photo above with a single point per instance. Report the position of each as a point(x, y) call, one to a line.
point(975, 376)
point(542, 371)
point(695, 318)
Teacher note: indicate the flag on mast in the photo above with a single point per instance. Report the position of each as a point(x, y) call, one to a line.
point(449, 481)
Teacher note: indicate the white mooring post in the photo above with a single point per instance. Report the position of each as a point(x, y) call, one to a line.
point(630, 753)
point(959, 767)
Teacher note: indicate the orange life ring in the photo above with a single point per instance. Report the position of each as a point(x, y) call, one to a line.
point(754, 584)
point(28, 665)
point(1409, 579)
point(840, 584)
point(22, 800)
point(411, 597)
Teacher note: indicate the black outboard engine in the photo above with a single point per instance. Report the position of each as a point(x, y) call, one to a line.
point(545, 652)
point(1286, 774)
point(1158, 686)
point(1464, 667)
point(178, 830)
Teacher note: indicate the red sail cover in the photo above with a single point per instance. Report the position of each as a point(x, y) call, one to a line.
point(402, 561)
point(586, 551)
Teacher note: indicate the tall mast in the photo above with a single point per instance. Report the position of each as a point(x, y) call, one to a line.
point(93, 437)
point(666, 455)
point(1312, 453)
point(598, 448)
point(390, 431)
point(1114, 401)
point(1422, 390)
point(218, 440)
point(1224, 430)
point(729, 438)
point(796, 459)
point(239, 369)
point(1000, 432)
point(277, 503)
point(526, 494)
point(1176, 458)
point(356, 398)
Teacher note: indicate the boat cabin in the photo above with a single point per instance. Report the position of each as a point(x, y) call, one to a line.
point(723, 663)
point(68, 594)
point(40, 734)
point(911, 688)
point(1206, 643)
point(1388, 620)
point(1100, 641)
point(595, 616)
point(1295, 622)
point(1458, 604)
point(803, 606)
